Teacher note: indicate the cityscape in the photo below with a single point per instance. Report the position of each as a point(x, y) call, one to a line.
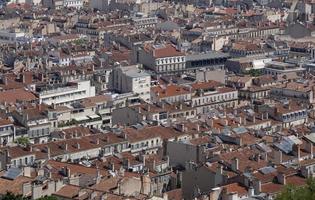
point(157, 99)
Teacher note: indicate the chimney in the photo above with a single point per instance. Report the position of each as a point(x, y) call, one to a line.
point(251, 191)
point(77, 145)
point(148, 108)
point(257, 157)
point(235, 164)
point(257, 187)
point(75, 133)
point(278, 156)
point(181, 127)
point(67, 171)
point(180, 106)
point(281, 178)
point(198, 127)
point(240, 120)
point(219, 169)
point(254, 119)
point(98, 176)
point(309, 148)
point(112, 166)
point(297, 151)
point(47, 151)
point(210, 123)
point(27, 171)
point(265, 156)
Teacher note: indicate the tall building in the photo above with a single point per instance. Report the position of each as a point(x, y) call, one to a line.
point(131, 79)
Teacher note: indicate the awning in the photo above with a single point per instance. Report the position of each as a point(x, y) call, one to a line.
point(94, 116)
point(81, 118)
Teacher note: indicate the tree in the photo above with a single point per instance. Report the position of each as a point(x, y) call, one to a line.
point(292, 192)
point(24, 141)
point(12, 196)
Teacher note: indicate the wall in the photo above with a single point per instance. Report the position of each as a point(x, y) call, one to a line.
point(188, 153)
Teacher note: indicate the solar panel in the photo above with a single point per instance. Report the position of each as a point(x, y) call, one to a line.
point(12, 173)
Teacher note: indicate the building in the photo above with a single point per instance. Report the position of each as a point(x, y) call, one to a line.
point(12, 37)
point(299, 91)
point(131, 79)
point(211, 61)
point(162, 59)
point(245, 64)
point(7, 132)
point(67, 94)
point(171, 93)
point(35, 124)
point(211, 94)
point(281, 68)
point(73, 3)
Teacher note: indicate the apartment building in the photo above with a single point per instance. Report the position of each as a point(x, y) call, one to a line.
point(145, 22)
point(281, 68)
point(170, 93)
point(73, 3)
point(73, 149)
point(93, 112)
point(66, 94)
point(289, 113)
point(160, 113)
point(211, 94)
point(303, 92)
point(131, 79)
point(12, 37)
point(35, 124)
point(7, 132)
point(162, 59)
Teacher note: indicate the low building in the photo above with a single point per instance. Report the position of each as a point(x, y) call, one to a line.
point(66, 94)
point(277, 68)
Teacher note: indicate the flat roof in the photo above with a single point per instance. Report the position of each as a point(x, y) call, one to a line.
point(208, 55)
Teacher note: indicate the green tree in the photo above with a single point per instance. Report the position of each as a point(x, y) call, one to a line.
point(292, 192)
point(12, 196)
point(24, 141)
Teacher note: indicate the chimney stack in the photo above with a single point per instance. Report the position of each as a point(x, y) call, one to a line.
point(309, 148)
point(297, 151)
point(278, 157)
point(281, 178)
point(235, 164)
point(198, 127)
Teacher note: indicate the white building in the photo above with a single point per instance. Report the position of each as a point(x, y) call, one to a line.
point(162, 59)
point(145, 22)
point(73, 3)
point(131, 79)
point(66, 95)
